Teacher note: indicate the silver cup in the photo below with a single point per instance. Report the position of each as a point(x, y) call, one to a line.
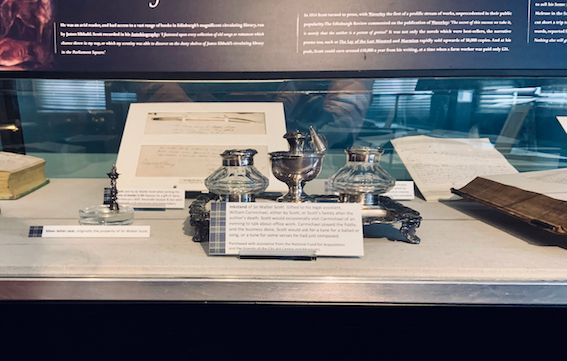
point(295, 170)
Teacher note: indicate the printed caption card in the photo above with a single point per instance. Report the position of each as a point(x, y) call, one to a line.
point(321, 229)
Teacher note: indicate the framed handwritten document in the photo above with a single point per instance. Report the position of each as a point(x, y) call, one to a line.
point(177, 145)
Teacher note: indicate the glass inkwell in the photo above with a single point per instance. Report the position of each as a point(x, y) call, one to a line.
point(111, 214)
point(362, 179)
point(237, 180)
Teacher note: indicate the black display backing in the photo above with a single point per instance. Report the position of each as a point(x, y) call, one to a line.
point(247, 39)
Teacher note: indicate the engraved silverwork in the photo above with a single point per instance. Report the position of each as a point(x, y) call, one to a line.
point(396, 213)
point(298, 165)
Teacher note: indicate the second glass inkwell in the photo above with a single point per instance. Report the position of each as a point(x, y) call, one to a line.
point(362, 179)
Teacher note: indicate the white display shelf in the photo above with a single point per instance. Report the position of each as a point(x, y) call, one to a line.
point(469, 254)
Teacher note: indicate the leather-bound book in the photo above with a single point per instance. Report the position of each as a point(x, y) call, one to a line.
point(20, 175)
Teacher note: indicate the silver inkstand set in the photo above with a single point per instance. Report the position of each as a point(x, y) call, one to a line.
point(361, 180)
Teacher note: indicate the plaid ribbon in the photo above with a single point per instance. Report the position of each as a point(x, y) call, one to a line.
point(35, 232)
point(217, 228)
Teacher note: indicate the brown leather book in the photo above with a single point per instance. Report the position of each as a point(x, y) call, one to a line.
point(537, 209)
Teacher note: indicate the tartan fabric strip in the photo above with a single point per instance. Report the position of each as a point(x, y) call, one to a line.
point(217, 228)
point(35, 232)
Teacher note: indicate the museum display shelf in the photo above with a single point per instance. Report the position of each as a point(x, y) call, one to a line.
point(469, 254)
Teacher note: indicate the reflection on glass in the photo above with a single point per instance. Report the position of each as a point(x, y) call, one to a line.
point(77, 124)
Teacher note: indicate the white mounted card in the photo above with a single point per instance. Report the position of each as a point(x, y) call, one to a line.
point(321, 229)
point(152, 198)
point(177, 145)
point(402, 191)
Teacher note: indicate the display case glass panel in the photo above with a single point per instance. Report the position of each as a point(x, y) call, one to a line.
point(76, 126)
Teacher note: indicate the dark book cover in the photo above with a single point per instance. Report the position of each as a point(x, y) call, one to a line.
point(535, 208)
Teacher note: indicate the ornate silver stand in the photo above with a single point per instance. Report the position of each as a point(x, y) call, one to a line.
point(396, 213)
point(392, 213)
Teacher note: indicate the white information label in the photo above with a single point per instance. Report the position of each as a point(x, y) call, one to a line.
point(152, 198)
point(65, 231)
point(402, 191)
point(321, 229)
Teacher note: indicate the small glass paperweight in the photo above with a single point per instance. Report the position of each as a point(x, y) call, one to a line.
point(237, 180)
point(111, 214)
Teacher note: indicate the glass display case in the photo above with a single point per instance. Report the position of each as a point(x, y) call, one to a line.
point(470, 252)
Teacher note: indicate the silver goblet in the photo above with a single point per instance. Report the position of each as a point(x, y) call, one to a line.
point(295, 170)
